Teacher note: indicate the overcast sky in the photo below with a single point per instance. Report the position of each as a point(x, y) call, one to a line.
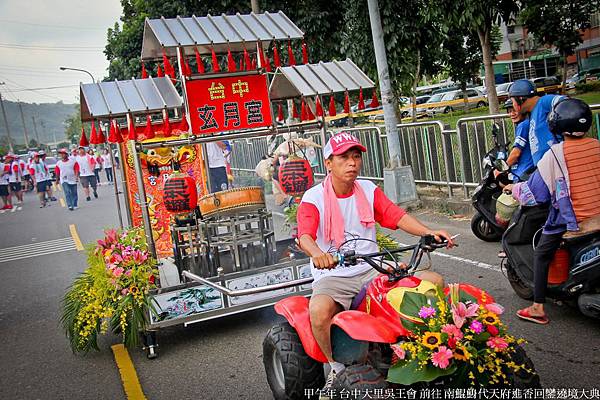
point(38, 36)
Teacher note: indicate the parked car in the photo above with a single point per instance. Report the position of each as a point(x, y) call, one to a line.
point(475, 99)
point(547, 84)
point(407, 109)
point(583, 76)
point(51, 164)
point(436, 98)
point(502, 91)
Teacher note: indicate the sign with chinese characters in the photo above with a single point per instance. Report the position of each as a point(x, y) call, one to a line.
point(295, 176)
point(179, 194)
point(228, 103)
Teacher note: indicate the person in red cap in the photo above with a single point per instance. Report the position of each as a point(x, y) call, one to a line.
point(333, 217)
point(4, 191)
point(67, 172)
point(15, 175)
point(39, 172)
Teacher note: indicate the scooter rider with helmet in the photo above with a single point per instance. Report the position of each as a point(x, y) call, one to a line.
point(526, 101)
point(568, 177)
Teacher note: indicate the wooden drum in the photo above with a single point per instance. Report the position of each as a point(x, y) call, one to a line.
point(232, 201)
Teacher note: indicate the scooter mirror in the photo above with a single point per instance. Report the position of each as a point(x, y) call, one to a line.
point(495, 129)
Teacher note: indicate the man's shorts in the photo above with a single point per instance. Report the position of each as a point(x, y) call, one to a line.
point(3, 190)
point(15, 186)
point(40, 187)
point(342, 289)
point(87, 181)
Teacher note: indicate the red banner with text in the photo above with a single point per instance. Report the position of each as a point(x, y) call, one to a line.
point(228, 103)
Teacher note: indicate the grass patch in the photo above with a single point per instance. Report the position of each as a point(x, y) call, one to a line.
point(589, 97)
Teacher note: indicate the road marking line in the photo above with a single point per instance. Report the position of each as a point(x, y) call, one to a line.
point(474, 263)
point(59, 188)
point(62, 202)
point(21, 257)
point(131, 383)
point(38, 245)
point(75, 236)
point(37, 249)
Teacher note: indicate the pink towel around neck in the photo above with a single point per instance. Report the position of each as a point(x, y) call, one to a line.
point(334, 220)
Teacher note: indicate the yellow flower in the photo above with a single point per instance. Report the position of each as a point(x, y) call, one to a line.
point(490, 318)
point(461, 353)
point(431, 340)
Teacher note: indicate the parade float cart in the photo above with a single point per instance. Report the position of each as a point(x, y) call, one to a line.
point(218, 254)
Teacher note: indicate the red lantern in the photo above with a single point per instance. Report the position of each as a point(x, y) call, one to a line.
point(295, 176)
point(180, 194)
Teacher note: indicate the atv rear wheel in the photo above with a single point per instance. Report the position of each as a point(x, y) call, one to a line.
point(289, 369)
point(362, 377)
point(484, 230)
point(521, 288)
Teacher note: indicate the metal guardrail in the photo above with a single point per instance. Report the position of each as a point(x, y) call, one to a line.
point(439, 155)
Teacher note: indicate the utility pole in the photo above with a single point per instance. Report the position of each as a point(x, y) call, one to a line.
point(24, 127)
point(10, 143)
point(255, 7)
point(37, 136)
point(399, 183)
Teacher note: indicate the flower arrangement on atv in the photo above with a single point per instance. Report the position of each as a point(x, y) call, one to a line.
point(453, 334)
point(113, 291)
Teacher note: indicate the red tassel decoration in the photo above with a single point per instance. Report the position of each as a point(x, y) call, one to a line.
point(319, 107)
point(215, 62)
point(199, 62)
point(119, 133)
point(159, 72)
point(347, 103)
point(185, 67)
point(183, 125)
point(247, 61)
point(279, 112)
point(100, 136)
point(295, 111)
point(166, 124)
point(276, 58)
point(144, 72)
point(131, 128)
point(361, 100)
point(149, 131)
point(309, 114)
point(304, 53)
point(83, 140)
point(93, 135)
point(303, 113)
point(261, 56)
point(115, 134)
point(230, 62)
point(253, 63)
point(332, 111)
point(268, 64)
point(292, 59)
point(374, 100)
point(169, 70)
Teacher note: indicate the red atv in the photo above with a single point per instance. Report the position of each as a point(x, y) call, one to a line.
point(363, 338)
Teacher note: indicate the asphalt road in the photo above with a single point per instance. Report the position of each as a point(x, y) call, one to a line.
point(222, 358)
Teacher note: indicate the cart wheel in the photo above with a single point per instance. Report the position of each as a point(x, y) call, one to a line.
point(150, 344)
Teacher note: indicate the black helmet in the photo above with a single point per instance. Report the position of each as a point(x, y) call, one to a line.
point(508, 104)
point(521, 88)
point(570, 117)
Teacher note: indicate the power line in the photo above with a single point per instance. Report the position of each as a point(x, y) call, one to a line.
point(18, 84)
point(45, 88)
point(52, 26)
point(49, 48)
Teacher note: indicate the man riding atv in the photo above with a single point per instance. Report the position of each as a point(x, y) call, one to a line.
point(339, 215)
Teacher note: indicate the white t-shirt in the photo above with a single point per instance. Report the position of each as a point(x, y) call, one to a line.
point(86, 165)
point(67, 170)
point(24, 167)
point(15, 172)
point(353, 229)
point(215, 155)
point(40, 171)
point(106, 161)
point(4, 173)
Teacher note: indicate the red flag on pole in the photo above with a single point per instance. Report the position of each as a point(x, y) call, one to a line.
point(374, 100)
point(199, 63)
point(347, 103)
point(276, 58)
point(247, 61)
point(332, 111)
point(144, 72)
point(100, 136)
point(319, 107)
point(93, 135)
point(149, 131)
point(304, 53)
point(159, 72)
point(131, 128)
point(361, 100)
point(292, 59)
point(215, 61)
point(279, 112)
point(294, 111)
point(166, 124)
point(230, 62)
point(83, 140)
point(169, 70)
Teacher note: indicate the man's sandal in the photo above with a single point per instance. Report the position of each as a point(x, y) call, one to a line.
point(524, 314)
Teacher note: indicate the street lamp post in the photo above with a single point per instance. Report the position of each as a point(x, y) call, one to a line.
point(78, 69)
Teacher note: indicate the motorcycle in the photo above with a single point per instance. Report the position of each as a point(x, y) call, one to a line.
point(574, 275)
point(485, 195)
point(364, 338)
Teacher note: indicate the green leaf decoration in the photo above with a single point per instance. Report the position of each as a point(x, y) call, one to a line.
point(410, 307)
point(409, 372)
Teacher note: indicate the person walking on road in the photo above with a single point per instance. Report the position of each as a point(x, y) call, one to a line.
point(49, 194)
point(39, 172)
point(67, 171)
point(4, 190)
point(107, 165)
point(86, 173)
point(15, 174)
point(97, 164)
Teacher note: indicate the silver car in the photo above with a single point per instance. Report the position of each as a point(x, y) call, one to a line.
point(475, 99)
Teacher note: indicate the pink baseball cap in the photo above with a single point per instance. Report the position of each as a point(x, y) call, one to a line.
point(341, 143)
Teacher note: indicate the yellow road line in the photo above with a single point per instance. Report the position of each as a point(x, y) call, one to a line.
point(59, 188)
point(62, 202)
point(75, 236)
point(131, 383)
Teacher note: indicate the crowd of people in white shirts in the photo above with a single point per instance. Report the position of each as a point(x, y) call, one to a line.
point(18, 175)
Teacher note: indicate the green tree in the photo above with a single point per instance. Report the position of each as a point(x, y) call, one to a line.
point(73, 127)
point(558, 23)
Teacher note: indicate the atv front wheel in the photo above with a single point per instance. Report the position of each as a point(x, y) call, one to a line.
point(290, 371)
point(361, 377)
point(521, 288)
